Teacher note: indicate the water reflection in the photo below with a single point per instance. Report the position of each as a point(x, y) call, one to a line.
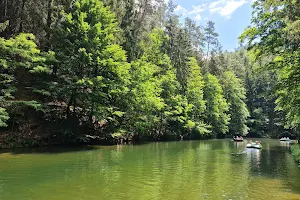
point(254, 156)
point(285, 144)
point(169, 171)
point(239, 144)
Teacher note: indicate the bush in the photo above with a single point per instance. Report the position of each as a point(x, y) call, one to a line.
point(295, 149)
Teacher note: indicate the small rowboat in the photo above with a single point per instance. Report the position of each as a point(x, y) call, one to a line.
point(254, 145)
point(238, 139)
point(285, 139)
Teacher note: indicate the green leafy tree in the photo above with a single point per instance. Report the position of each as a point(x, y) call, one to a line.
point(197, 40)
point(213, 62)
point(179, 46)
point(21, 65)
point(146, 102)
point(211, 37)
point(130, 43)
point(195, 87)
point(216, 113)
point(275, 33)
point(163, 108)
point(127, 68)
point(4, 116)
point(235, 95)
point(92, 73)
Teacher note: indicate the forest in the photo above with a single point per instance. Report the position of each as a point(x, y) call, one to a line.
point(114, 71)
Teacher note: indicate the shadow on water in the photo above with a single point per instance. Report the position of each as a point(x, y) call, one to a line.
point(77, 148)
point(207, 169)
point(272, 162)
point(49, 149)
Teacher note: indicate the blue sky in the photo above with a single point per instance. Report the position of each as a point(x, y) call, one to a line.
point(231, 17)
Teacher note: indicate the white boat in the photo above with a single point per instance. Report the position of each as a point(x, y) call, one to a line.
point(254, 145)
point(285, 139)
point(249, 145)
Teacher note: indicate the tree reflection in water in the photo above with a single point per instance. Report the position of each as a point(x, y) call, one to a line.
point(254, 156)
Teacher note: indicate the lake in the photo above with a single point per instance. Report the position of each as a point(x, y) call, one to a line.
point(183, 170)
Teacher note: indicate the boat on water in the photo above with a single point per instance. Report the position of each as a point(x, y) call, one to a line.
point(285, 139)
point(238, 138)
point(255, 145)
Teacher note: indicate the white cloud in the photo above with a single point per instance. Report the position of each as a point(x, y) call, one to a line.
point(215, 4)
point(225, 7)
point(230, 7)
point(180, 10)
point(198, 9)
point(198, 17)
point(213, 10)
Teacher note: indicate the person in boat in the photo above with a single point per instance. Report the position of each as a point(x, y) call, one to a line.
point(236, 137)
point(285, 138)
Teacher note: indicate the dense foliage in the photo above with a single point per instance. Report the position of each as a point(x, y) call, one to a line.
point(274, 41)
point(129, 70)
point(235, 95)
point(217, 107)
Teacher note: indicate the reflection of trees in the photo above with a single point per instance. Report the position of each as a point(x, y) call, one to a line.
point(254, 156)
point(166, 171)
point(172, 170)
point(239, 145)
point(267, 162)
point(292, 178)
point(285, 144)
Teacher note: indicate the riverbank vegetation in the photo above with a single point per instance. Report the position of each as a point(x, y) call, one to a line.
point(112, 71)
point(295, 149)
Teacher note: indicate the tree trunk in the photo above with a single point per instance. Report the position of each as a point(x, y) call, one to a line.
point(21, 16)
point(48, 33)
point(70, 103)
point(5, 9)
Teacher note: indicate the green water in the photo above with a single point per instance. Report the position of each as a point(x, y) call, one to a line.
point(168, 171)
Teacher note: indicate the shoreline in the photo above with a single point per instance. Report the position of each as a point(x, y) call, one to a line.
point(75, 143)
